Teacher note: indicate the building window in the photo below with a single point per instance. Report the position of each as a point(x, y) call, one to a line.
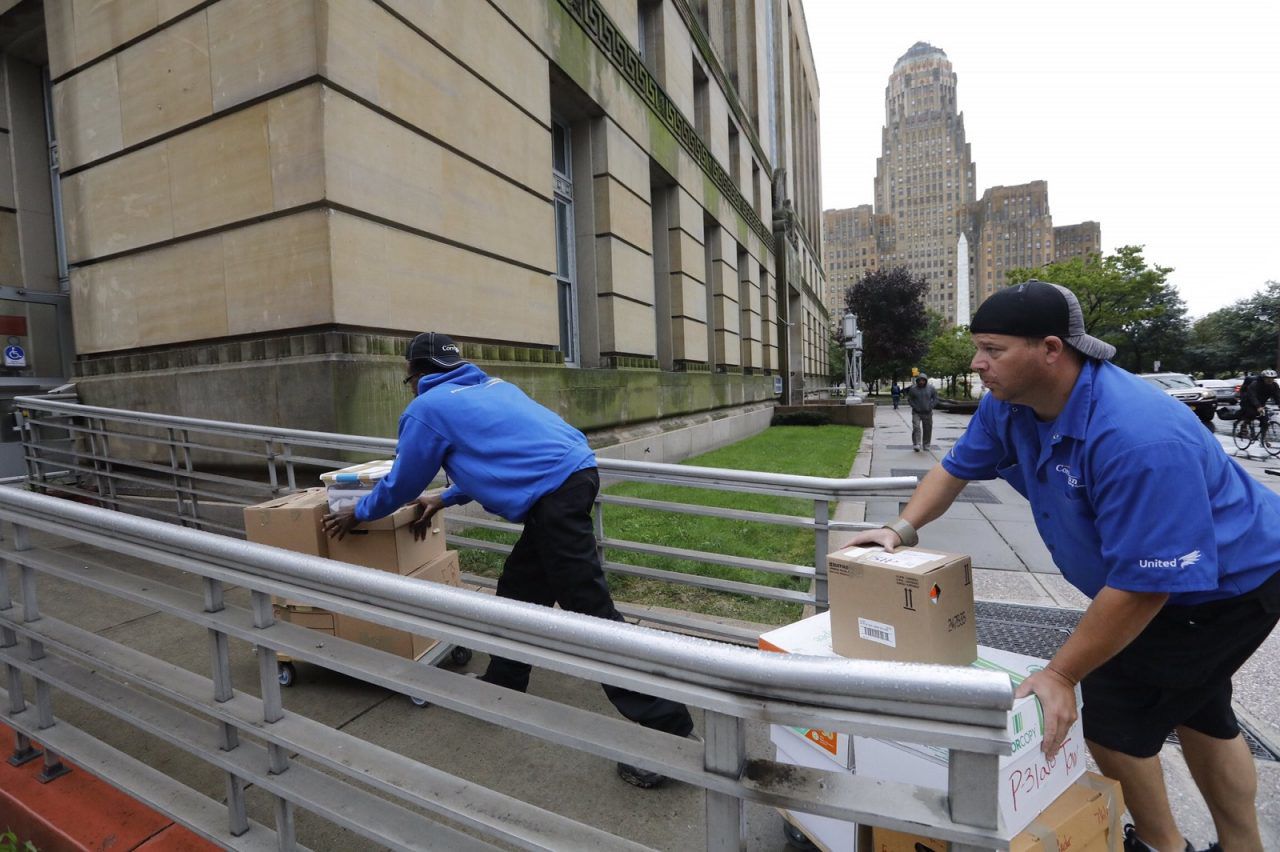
point(566, 278)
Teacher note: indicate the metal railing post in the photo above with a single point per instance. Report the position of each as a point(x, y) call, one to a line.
point(972, 789)
point(173, 475)
point(291, 475)
point(53, 765)
point(30, 447)
point(599, 528)
point(821, 539)
point(191, 482)
point(271, 467)
point(726, 749)
point(23, 751)
point(108, 476)
point(228, 734)
point(273, 711)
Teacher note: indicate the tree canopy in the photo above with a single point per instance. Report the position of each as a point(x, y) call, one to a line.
point(889, 306)
point(950, 354)
point(1243, 337)
point(1127, 303)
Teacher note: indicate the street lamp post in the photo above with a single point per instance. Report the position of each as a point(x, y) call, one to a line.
point(852, 337)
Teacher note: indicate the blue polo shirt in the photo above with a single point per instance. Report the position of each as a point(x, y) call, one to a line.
point(1129, 490)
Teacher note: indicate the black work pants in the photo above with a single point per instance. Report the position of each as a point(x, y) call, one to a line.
point(555, 562)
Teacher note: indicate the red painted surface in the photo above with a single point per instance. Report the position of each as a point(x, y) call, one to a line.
point(80, 813)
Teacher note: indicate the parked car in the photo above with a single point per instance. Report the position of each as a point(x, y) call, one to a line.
point(1202, 401)
point(1226, 390)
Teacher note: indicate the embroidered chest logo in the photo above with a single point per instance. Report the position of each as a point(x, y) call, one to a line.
point(1071, 478)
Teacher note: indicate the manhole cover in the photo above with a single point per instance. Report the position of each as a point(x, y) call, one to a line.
point(1039, 631)
point(970, 494)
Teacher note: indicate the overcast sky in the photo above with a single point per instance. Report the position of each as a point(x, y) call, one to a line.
point(1157, 119)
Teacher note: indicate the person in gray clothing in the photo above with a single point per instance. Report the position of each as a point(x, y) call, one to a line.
point(923, 398)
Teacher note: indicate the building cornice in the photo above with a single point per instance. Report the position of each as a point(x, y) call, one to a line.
point(591, 17)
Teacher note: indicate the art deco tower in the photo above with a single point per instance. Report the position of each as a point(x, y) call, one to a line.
point(925, 172)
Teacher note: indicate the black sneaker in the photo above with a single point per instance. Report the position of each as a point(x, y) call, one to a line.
point(643, 778)
point(1133, 844)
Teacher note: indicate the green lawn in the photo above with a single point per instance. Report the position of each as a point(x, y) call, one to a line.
point(806, 450)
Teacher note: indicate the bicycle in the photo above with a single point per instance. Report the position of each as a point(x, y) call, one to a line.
point(1246, 432)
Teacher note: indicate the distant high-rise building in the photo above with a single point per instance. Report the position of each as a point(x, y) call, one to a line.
point(927, 216)
point(1080, 240)
point(851, 247)
point(925, 172)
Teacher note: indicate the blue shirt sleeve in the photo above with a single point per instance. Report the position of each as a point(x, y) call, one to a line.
point(1155, 520)
point(419, 453)
point(979, 451)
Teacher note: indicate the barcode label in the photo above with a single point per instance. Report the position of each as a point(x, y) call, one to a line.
point(877, 631)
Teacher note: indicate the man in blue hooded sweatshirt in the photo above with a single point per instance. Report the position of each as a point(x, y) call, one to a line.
point(523, 462)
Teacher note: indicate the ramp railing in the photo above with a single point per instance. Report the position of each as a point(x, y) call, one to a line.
point(217, 590)
point(190, 470)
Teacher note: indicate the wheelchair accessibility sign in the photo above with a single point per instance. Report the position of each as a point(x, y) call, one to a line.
point(15, 356)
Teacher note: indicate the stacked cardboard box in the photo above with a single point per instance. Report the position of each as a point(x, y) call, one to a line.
point(1086, 818)
point(915, 605)
point(294, 523)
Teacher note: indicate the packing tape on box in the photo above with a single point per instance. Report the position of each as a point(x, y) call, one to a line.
point(1048, 837)
point(1109, 791)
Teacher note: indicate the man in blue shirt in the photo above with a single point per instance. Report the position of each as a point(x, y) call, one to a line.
point(1143, 512)
point(520, 461)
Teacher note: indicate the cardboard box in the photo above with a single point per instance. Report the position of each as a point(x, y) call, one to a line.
point(387, 543)
point(291, 522)
point(443, 569)
point(888, 840)
point(1029, 781)
point(810, 636)
point(1085, 818)
point(829, 833)
point(912, 605)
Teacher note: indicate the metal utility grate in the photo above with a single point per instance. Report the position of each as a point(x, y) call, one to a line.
point(1039, 631)
point(971, 493)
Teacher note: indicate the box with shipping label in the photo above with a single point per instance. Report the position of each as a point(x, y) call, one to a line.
point(1085, 818)
point(388, 544)
point(810, 636)
point(829, 833)
point(911, 606)
point(1027, 780)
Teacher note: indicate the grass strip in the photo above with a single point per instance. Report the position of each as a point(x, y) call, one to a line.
point(803, 450)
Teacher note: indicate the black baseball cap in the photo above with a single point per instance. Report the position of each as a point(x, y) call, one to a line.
point(435, 348)
point(1039, 309)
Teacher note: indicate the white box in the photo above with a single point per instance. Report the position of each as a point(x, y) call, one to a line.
point(810, 636)
point(831, 834)
point(1028, 780)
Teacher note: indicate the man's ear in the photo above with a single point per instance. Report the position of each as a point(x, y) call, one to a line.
point(1054, 349)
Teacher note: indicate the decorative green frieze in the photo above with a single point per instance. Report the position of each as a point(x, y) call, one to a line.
point(590, 15)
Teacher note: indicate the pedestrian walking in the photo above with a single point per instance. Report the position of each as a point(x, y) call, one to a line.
point(895, 391)
point(520, 461)
point(1176, 545)
point(923, 399)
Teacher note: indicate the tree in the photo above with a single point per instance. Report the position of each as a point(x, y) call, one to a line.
point(1126, 303)
point(1240, 337)
point(890, 310)
point(950, 354)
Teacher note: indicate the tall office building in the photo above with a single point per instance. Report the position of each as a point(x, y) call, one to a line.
point(925, 172)
point(928, 217)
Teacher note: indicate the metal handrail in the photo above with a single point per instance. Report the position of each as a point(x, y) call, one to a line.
point(101, 445)
point(961, 709)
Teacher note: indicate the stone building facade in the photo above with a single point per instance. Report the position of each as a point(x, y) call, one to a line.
point(1082, 240)
point(613, 203)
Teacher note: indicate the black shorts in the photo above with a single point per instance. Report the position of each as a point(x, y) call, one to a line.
point(1177, 672)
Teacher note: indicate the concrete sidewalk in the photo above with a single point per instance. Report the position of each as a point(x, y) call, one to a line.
point(993, 524)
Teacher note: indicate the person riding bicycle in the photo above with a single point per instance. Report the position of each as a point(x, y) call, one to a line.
point(1255, 395)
